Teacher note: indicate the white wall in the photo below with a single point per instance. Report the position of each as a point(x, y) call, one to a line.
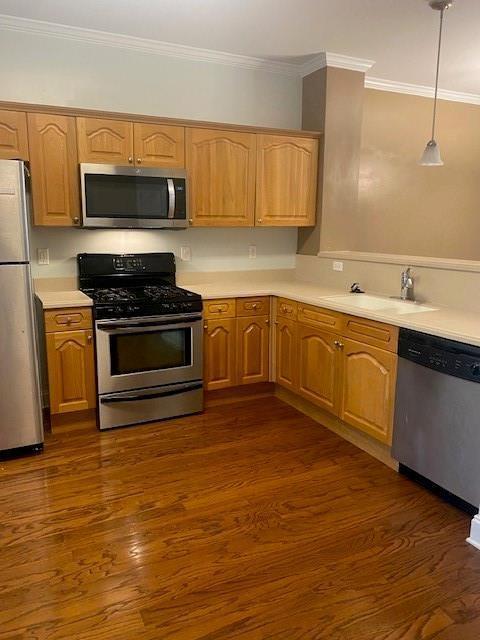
point(212, 249)
point(47, 70)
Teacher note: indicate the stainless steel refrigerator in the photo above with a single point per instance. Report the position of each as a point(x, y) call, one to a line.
point(20, 406)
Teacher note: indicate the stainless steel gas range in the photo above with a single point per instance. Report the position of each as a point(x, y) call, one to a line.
point(148, 335)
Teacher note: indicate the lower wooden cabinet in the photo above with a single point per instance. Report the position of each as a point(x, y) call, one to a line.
point(286, 353)
point(352, 379)
point(319, 367)
point(219, 352)
point(368, 390)
point(253, 353)
point(71, 370)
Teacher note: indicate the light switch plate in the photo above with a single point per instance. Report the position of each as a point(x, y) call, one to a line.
point(252, 250)
point(185, 254)
point(337, 265)
point(43, 256)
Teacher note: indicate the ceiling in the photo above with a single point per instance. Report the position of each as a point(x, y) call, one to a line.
point(400, 35)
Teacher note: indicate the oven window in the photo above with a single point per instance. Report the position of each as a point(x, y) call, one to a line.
point(117, 196)
point(150, 350)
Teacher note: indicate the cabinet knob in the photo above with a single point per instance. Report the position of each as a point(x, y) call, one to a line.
point(69, 320)
point(76, 220)
point(130, 159)
point(267, 321)
point(190, 220)
point(205, 326)
point(254, 305)
point(260, 220)
point(139, 161)
point(89, 338)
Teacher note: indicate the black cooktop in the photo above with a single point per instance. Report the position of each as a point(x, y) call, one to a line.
point(129, 285)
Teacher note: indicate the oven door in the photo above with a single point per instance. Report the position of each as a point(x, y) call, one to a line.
point(138, 353)
point(133, 197)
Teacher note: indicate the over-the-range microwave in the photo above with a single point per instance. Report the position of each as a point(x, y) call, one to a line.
point(126, 197)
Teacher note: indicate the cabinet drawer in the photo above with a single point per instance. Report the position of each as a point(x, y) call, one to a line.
point(318, 317)
point(378, 334)
point(253, 306)
point(286, 309)
point(220, 308)
point(64, 319)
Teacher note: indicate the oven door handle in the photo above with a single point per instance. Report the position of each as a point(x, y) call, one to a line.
point(144, 322)
point(150, 396)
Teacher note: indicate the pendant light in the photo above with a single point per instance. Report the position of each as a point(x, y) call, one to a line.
point(431, 156)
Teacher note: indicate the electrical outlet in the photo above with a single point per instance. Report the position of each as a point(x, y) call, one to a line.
point(43, 256)
point(337, 265)
point(252, 250)
point(185, 254)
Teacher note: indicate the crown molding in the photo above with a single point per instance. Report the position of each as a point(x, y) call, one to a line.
point(144, 45)
point(420, 90)
point(328, 59)
point(182, 52)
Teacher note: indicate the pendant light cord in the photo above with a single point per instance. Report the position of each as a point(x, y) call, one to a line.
point(437, 74)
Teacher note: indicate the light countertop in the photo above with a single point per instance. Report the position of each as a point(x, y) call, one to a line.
point(455, 324)
point(59, 299)
point(463, 326)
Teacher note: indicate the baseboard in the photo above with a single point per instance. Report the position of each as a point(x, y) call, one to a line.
point(474, 538)
point(62, 422)
point(361, 440)
point(239, 394)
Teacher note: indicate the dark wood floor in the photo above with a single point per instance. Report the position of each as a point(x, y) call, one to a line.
point(250, 521)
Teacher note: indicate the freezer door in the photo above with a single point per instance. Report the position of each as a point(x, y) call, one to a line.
point(20, 409)
point(13, 213)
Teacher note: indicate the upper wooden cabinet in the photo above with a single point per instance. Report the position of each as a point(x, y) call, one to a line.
point(286, 180)
point(369, 389)
point(105, 141)
point(54, 169)
point(221, 167)
point(159, 145)
point(120, 142)
point(13, 135)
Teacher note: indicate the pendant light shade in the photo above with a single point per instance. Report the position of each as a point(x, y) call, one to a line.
point(431, 156)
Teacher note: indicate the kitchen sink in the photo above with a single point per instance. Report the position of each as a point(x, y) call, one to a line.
point(377, 303)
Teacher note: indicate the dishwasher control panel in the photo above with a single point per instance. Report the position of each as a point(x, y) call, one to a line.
point(448, 356)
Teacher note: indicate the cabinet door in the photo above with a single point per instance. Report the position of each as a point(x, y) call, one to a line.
point(105, 141)
point(13, 135)
point(219, 353)
point(54, 168)
point(286, 181)
point(369, 389)
point(221, 166)
point(71, 371)
point(253, 349)
point(319, 367)
point(286, 353)
point(159, 145)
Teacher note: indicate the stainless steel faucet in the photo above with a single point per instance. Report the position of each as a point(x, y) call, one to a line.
point(406, 291)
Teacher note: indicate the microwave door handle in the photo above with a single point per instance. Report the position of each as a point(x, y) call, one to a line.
point(171, 199)
point(150, 396)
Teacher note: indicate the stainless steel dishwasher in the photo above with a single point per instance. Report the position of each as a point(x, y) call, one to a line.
point(436, 434)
